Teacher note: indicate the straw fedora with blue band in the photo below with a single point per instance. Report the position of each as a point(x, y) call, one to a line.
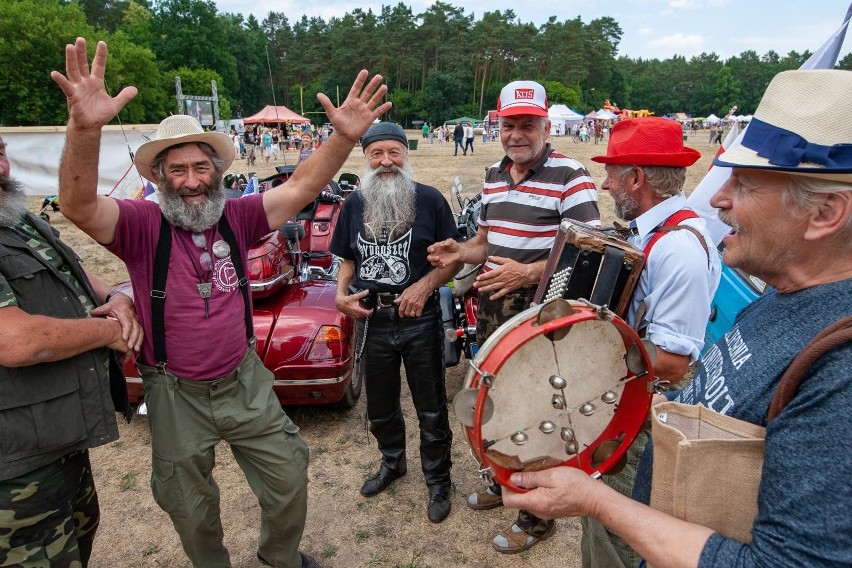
point(802, 126)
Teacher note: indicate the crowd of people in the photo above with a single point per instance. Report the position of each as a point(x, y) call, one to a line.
point(788, 201)
point(270, 143)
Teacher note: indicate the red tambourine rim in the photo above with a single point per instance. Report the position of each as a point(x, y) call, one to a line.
point(628, 419)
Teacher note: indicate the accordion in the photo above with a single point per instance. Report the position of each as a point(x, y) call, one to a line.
point(590, 264)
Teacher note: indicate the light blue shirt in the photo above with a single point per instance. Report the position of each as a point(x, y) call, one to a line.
point(677, 283)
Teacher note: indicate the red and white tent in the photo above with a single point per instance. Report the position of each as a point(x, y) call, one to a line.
point(273, 115)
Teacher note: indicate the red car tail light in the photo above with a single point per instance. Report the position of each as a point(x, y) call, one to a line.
point(261, 269)
point(328, 343)
point(268, 264)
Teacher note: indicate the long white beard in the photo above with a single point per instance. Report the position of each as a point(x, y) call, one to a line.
point(389, 202)
point(13, 202)
point(193, 218)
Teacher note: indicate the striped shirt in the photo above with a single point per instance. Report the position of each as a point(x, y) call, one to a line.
point(522, 219)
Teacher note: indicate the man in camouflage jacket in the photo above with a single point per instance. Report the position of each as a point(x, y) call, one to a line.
point(60, 385)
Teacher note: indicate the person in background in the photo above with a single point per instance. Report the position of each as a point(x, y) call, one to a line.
point(458, 139)
point(276, 144)
point(237, 141)
point(468, 138)
point(266, 140)
point(250, 141)
point(307, 149)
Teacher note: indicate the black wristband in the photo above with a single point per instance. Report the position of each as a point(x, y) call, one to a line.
point(112, 293)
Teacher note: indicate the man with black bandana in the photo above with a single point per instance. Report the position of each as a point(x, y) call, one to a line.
point(59, 386)
point(382, 235)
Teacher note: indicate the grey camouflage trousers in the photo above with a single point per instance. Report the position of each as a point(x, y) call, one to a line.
point(48, 517)
point(491, 314)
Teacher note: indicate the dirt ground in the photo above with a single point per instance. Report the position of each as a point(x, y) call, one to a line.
point(343, 528)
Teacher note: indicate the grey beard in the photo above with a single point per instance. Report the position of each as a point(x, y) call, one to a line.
point(389, 202)
point(193, 218)
point(626, 207)
point(13, 202)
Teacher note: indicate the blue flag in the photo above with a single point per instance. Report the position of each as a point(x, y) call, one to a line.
point(251, 188)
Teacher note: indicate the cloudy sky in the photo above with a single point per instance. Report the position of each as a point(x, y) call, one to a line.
point(652, 28)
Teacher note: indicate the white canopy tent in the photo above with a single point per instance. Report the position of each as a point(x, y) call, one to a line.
point(713, 119)
point(603, 114)
point(562, 117)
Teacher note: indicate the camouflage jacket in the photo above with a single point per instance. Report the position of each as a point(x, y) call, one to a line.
point(50, 409)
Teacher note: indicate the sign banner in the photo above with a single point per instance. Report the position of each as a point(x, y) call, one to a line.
point(34, 153)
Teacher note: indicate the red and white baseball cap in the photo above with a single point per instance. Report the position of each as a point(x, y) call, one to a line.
point(522, 97)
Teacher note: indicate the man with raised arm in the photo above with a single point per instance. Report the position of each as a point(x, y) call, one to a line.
point(187, 263)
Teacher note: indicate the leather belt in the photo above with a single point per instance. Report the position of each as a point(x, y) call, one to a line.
point(385, 300)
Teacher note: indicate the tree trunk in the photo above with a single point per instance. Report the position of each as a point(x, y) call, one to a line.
point(482, 89)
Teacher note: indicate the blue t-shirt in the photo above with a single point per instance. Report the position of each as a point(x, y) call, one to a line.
point(805, 495)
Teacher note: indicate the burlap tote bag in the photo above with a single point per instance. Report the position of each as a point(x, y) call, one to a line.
point(696, 452)
point(707, 466)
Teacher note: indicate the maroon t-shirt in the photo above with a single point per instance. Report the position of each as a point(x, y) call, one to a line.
point(198, 347)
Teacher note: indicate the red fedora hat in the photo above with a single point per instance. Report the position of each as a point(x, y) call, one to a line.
point(648, 141)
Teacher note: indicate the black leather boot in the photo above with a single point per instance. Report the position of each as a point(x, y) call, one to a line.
point(381, 480)
point(439, 502)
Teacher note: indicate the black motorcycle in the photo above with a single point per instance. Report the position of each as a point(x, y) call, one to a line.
point(459, 302)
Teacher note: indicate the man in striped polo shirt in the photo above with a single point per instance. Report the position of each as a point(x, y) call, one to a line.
point(525, 197)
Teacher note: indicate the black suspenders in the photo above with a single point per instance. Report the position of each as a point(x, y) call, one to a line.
point(158, 287)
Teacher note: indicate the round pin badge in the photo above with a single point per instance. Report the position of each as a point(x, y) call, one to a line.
point(221, 249)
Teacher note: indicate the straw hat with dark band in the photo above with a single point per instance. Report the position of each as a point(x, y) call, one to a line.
point(181, 129)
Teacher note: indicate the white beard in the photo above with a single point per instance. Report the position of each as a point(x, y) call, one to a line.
point(13, 202)
point(389, 202)
point(193, 218)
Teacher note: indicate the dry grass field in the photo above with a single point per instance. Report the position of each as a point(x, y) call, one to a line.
point(344, 529)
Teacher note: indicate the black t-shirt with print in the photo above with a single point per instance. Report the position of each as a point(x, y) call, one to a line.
point(392, 265)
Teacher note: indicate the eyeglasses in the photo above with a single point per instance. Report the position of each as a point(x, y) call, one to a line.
point(199, 240)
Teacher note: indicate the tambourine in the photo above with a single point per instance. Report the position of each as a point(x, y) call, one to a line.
point(565, 383)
